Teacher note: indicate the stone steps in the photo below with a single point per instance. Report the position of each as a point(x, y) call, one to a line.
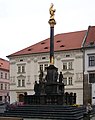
point(47, 112)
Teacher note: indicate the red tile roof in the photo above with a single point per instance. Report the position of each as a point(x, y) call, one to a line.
point(90, 39)
point(4, 64)
point(64, 41)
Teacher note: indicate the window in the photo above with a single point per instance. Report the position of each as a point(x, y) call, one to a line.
point(1, 74)
point(65, 81)
point(91, 60)
point(70, 65)
point(64, 66)
point(45, 67)
point(19, 83)
point(70, 81)
point(1, 86)
point(5, 75)
point(5, 86)
point(21, 69)
point(23, 83)
point(43, 58)
point(91, 77)
point(41, 67)
point(21, 60)
point(67, 55)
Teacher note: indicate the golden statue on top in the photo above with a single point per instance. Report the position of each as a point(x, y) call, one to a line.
point(52, 11)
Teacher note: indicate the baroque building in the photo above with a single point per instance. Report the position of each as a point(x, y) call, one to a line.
point(4, 80)
point(89, 66)
point(25, 65)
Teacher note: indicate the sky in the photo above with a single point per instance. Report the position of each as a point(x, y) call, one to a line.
point(25, 22)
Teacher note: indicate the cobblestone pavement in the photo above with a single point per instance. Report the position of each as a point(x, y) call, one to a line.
point(93, 118)
point(35, 119)
point(51, 119)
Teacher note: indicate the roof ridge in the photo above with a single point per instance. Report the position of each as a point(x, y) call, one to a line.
point(4, 59)
point(40, 46)
point(69, 32)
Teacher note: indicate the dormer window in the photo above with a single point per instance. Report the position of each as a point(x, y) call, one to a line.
point(62, 46)
point(58, 41)
point(29, 49)
point(43, 43)
point(46, 48)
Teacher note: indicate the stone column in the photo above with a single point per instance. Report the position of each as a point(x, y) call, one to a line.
point(52, 22)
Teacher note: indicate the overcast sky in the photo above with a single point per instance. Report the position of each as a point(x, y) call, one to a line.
point(25, 22)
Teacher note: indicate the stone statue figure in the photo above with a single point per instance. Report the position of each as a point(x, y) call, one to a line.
point(41, 87)
point(52, 11)
point(41, 82)
point(60, 77)
point(41, 75)
point(36, 88)
point(56, 76)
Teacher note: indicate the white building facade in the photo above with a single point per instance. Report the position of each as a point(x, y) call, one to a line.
point(89, 66)
point(90, 74)
point(24, 70)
